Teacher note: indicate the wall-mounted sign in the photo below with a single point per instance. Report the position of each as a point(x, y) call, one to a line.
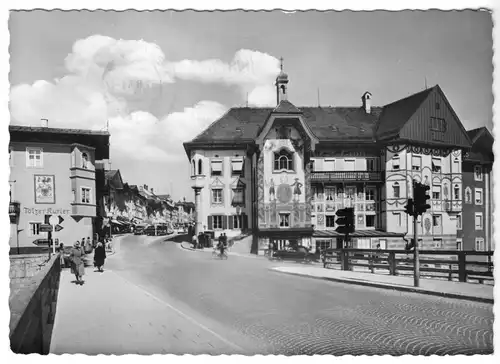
point(49, 211)
point(44, 189)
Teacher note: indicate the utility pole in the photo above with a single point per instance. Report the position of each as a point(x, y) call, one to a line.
point(416, 258)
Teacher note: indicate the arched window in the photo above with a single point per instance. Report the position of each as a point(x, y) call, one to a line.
point(283, 160)
point(85, 160)
point(193, 171)
point(456, 192)
point(200, 166)
point(396, 191)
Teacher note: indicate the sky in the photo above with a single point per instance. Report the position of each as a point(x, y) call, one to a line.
point(159, 78)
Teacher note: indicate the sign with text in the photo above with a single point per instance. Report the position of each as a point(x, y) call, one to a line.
point(45, 228)
point(48, 211)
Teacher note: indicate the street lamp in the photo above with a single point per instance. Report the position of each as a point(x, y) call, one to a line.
point(14, 212)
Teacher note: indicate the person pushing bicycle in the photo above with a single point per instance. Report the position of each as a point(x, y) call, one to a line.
point(222, 244)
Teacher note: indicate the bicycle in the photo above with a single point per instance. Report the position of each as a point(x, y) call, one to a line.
point(217, 254)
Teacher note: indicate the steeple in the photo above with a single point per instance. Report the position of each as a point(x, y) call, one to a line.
point(281, 84)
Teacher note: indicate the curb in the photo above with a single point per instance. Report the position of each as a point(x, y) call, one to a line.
point(391, 287)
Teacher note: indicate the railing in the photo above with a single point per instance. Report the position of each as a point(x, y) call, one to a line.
point(373, 176)
point(462, 266)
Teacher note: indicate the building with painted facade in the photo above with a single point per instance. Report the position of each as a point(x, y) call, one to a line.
point(53, 173)
point(283, 172)
point(475, 224)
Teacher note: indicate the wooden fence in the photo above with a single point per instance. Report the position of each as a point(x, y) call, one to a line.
point(462, 266)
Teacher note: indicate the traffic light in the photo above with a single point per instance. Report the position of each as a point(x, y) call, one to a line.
point(345, 221)
point(410, 207)
point(420, 198)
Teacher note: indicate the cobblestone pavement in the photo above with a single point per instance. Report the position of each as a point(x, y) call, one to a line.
point(270, 313)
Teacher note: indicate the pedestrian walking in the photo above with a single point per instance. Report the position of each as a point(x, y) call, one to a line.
point(99, 256)
point(61, 254)
point(77, 264)
point(195, 242)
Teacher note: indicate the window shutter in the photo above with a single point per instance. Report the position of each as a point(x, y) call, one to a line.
point(224, 222)
point(210, 223)
point(244, 217)
point(231, 222)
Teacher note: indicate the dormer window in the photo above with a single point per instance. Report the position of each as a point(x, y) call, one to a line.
point(85, 161)
point(283, 160)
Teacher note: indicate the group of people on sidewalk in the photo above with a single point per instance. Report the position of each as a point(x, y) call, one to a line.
point(80, 250)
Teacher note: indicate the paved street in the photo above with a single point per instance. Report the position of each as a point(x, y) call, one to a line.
point(244, 303)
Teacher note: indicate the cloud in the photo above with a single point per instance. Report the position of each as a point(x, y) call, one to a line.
point(105, 74)
point(254, 72)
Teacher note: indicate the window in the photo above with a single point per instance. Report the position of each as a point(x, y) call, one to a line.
point(217, 195)
point(438, 243)
point(479, 221)
point(436, 165)
point(237, 222)
point(459, 244)
point(34, 157)
point(416, 163)
point(438, 124)
point(395, 190)
point(395, 161)
point(478, 173)
point(398, 218)
point(193, 171)
point(216, 167)
point(329, 193)
point(217, 221)
point(468, 195)
point(478, 198)
point(479, 245)
point(438, 106)
point(238, 197)
point(370, 194)
point(383, 244)
point(456, 165)
point(85, 193)
point(34, 229)
point(436, 192)
point(284, 220)
point(74, 196)
point(456, 192)
point(370, 220)
point(237, 167)
point(370, 164)
point(330, 221)
point(436, 220)
point(85, 161)
point(459, 222)
point(323, 244)
point(329, 165)
point(283, 161)
point(200, 166)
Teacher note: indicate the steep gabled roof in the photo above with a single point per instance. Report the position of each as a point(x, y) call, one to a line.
point(395, 115)
point(482, 145)
point(476, 134)
point(327, 123)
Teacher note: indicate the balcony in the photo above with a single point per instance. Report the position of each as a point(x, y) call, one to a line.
point(81, 209)
point(348, 176)
point(452, 206)
point(77, 172)
point(198, 181)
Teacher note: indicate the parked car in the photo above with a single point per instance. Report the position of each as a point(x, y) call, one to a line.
point(300, 253)
point(149, 230)
point(139, 230)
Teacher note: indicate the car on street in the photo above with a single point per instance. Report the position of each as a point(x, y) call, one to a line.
point(299, 253)
point(139, 230)
point(150, 230)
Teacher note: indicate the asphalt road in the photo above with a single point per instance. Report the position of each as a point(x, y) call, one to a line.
point(265, 312)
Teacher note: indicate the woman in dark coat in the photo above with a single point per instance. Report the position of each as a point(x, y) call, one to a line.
point(99, 256)
point(77, 264)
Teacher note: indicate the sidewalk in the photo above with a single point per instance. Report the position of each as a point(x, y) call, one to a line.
point(109, 315)
point(459, 290)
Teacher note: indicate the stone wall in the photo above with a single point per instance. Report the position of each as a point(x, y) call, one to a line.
point(32, 303)
point(26, 266)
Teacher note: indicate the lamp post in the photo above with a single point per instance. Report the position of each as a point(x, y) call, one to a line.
point(14, 212)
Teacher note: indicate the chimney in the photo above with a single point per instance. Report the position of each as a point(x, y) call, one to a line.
point(146, 187)
point(152, 191)
point(45, 123)
point(367, 102)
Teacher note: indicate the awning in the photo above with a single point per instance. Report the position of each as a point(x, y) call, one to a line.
point(238, 197)
point(237, 164)
point(216, 166)
point(436, 161)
